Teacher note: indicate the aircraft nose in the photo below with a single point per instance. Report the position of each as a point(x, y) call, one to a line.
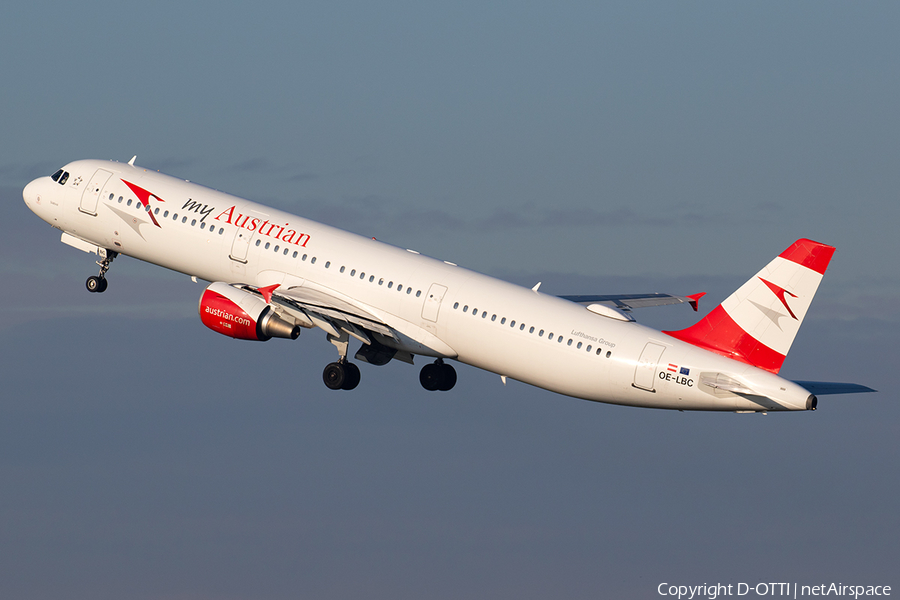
point(31, 194)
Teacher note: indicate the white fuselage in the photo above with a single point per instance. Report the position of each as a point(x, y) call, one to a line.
point(438, 309)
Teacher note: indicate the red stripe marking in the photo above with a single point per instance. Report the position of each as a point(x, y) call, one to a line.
point(719, 333)
point(810, 254)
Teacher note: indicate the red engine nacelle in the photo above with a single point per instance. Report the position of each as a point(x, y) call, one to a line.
point(242, 315)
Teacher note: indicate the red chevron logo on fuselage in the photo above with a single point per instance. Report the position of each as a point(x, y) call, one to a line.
point(144, 197)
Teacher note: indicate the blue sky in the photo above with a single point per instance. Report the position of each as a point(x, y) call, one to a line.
point(607, 148)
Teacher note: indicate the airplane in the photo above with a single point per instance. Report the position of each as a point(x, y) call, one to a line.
point(273, 274)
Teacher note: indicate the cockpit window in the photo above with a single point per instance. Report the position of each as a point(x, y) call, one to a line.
point(64, 178)
point(55, 176)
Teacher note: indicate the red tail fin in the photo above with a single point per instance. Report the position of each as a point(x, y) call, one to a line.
point(757, 323)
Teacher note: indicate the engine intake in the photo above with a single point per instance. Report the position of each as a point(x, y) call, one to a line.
point(242, 315)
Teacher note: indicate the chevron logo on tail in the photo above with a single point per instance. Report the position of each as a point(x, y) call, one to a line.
point(749, 325)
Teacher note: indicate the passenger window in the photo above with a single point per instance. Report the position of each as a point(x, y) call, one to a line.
point(166, 214)
point(258, 242)
point(313, 261)
point(276, 248)
point(294, 255)
point(342, 269)
point(267, 245)
point(371, 278)
point(608, 353)
point(286, 250)
point(494, 318)
point(129, 202)
point(455, 305)
point(327, 264)
point(184, 219)
point(550, 337)
point(202, 224)
point(111, 196)
point(353, 273)
point(119, 200)
point(193, 222)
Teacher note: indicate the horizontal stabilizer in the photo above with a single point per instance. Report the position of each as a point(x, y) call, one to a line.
point(629, 301)
point(823, 388)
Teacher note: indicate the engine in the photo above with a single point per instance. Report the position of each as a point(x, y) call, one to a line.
point(242, 315)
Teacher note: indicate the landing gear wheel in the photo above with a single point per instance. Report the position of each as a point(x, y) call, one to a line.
point(351, 376)
point(430, 377)
point(437, 377)
point(341, 376)
point(334, 376)
point(448, 378)
point(95, 284)
point(104, 283)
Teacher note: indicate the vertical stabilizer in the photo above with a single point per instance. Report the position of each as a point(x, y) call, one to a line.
point(757, 323)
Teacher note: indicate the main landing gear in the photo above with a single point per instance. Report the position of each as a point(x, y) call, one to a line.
point(98, 283)
point(343, 374)
point(438, 376)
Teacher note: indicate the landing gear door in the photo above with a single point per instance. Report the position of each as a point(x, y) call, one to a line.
point(91, 195)
point(647, 367)
point(433, 302)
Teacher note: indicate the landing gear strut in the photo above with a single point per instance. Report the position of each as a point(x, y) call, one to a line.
point(341, 375)
point(437, 376)
point(98, 283)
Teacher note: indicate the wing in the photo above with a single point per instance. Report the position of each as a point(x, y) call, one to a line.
point(627, 302)
point(331, 312)
point(823, 388)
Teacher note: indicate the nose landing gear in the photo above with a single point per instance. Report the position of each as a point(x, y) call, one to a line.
point(98, 283)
